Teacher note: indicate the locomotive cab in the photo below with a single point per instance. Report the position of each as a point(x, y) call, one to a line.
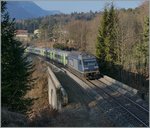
point(85, 64)
point(90, 68)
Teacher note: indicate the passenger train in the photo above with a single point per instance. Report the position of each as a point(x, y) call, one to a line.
point(80, 62)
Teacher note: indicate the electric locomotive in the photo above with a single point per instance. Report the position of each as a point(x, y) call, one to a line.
point(84, 63)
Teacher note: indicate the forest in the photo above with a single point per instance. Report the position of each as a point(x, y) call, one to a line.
point(125, 52)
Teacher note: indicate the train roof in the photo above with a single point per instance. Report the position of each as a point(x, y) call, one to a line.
point(82, 55)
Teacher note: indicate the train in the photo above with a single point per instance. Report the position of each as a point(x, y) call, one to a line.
point(82, 63)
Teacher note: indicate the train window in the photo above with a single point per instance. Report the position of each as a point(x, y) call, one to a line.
point(90, 63)
point(79, 62)
point(57, 56)
point(36, 50)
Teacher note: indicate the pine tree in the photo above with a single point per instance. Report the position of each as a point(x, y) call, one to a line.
point(106, 46)
point(113, 33)
point(102, 46)
point(16, 70)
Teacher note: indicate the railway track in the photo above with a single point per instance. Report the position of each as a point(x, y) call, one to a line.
point(130, 111)
point(135, 110)
point(125, 97)
point(136, 113)
point(133, 97)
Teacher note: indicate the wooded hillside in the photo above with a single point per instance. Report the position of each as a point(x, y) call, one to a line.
point(80, 30)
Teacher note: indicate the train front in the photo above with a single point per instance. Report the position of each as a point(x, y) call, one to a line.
point(90, 67)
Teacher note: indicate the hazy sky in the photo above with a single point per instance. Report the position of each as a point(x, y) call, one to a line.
point(67, 6)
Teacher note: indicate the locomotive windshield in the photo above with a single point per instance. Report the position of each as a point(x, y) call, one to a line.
point(92, 62)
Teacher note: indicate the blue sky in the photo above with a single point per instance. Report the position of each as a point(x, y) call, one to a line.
point(67, 6)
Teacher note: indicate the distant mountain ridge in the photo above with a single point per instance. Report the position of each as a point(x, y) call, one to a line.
point(27, 9)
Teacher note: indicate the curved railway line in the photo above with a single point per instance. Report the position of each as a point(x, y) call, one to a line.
point(133, 109)
point(126, 97)
point(138, 112)
point(129, 110)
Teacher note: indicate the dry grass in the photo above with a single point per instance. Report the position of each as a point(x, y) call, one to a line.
point(39, 91)
point(40, 113)
point(47, 44)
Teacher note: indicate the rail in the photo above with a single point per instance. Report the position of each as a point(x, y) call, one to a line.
point(137, 117)
point(133, 115)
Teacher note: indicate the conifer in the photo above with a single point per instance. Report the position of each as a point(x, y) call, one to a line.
point(16, 70)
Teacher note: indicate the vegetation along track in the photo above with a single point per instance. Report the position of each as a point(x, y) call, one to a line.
point(135, 110)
